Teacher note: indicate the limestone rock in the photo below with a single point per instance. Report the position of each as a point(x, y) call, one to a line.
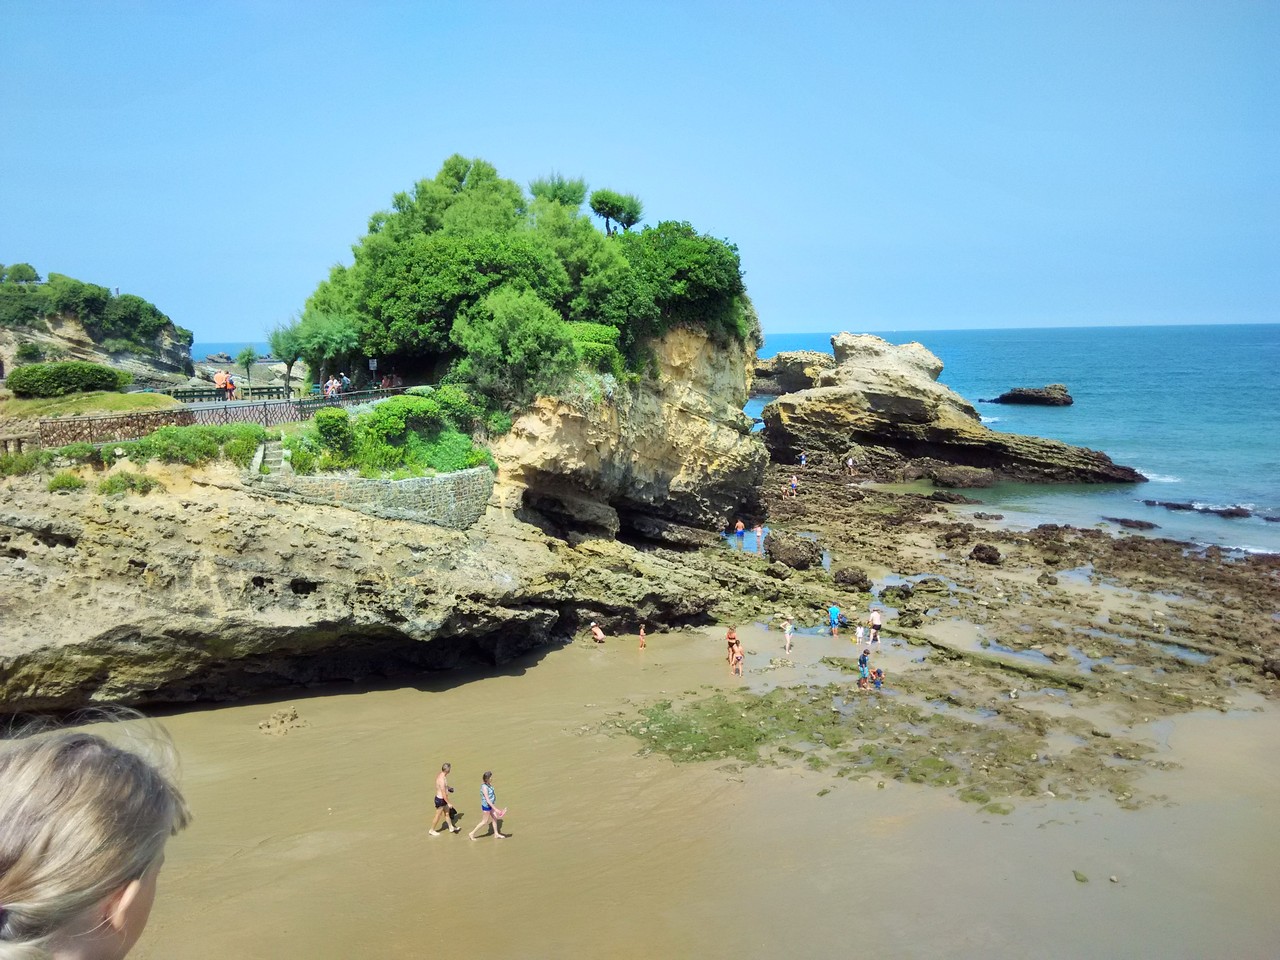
point(788, 372)
point(851, 578)
point(798, 553)
point(65, 338)
point(1054, 395)
point(984, 553)
point(885, 402)
point(675, 447)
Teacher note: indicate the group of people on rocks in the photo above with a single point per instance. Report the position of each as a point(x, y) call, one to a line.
point(491, 815)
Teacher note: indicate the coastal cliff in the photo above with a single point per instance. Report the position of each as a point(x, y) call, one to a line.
point(674, 448)
point(166, 363)
point(213, 589)
point(881, 404)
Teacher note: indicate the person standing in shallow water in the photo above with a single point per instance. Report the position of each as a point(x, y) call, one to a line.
point(489, 812)
point(642, 636)
point(787, 631)
point(443, 808)
point(83, 826)
point(740, 531)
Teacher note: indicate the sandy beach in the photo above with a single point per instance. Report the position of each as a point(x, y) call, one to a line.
point(313, 842)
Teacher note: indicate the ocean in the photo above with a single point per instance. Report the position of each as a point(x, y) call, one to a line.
point(1194, 408)
point(201, 350)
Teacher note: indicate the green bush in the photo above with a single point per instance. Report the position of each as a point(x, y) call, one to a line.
point(303, 453)
point(190, 445)
point(498, 423)
point(79, 453)
point(603, 358)
point(127, 482)
point(457, 406)
point(28, 353)
point(334, 428)
point(20, 464)
point(240, 451)
point(65, 480)
point(60, 379)
point(583, 332)
point(395, 417)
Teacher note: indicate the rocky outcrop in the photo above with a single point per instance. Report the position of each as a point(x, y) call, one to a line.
point(671, 448)
point(882, 406)
point(789, 372)
point(211, 591)
point(65, 338)
point(1054, 395)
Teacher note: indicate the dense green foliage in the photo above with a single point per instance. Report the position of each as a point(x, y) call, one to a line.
point(127, 322)
point(60, 379)
point(468, 273)
point(407, 435)
point(20, 464)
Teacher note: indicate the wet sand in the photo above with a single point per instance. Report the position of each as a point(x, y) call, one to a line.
point(314, 843)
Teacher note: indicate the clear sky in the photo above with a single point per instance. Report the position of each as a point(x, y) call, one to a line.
point(901, 164)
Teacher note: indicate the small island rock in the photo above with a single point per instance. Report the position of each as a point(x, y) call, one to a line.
point(1054, 395)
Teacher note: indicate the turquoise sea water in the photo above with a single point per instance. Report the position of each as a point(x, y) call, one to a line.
point(1194, 408)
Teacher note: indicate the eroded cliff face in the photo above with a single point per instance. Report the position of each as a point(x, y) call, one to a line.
point(671, 448)
point(881, 404)
point(209, 591)
point(67, 339)
point(212, 590)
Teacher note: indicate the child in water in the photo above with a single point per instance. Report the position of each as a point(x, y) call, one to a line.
point(877, 678)
point(735, 655)
point(864, 669)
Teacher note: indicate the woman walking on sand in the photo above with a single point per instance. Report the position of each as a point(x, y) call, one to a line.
point(489, 812)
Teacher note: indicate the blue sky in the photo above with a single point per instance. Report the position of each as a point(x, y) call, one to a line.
point(889, 165)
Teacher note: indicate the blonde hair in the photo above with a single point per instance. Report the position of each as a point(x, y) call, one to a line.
point(80, 817)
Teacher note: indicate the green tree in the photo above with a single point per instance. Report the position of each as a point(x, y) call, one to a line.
point(695, 279)
point(631, 212)
point(555, 187)
point(417, 291)
point(515, 346)
point(247, 358)
point(327, 342)
point(286, 346)
point(608, 205)
point(21, 273)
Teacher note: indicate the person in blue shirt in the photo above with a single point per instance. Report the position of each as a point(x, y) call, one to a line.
point(489, 812)
point(834, 613)
point(864, 669)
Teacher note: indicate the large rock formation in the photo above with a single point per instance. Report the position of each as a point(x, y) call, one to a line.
point(212, 590)
point(789, 372)
point(65, 338)
point(671, 448)
point(882, 405)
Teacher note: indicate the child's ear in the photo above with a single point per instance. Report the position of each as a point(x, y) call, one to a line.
point(116, 906)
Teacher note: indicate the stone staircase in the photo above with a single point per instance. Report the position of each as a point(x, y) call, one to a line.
point(273, 457)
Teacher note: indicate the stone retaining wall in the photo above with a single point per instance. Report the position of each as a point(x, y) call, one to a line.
point(454, 500)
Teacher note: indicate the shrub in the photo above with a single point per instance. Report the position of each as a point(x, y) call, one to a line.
point(498, 423)
point(603, 358)
point(583, 332)
point(334, 428)
point(60, 379)
point(457, 406)
point(127, 482)
point(392, 419)
point(303, 452)
point(20, 464)
point(79, 453)
point(65, 480)
point(240, 451)
point(28, 353)
point(190, 445)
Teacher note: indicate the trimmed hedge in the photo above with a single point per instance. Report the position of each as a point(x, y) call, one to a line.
point(60, 379)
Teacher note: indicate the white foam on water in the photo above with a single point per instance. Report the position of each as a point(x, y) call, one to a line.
point(1160, 477)
point(990, 419)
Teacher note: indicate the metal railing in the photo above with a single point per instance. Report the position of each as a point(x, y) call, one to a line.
point(58, 432)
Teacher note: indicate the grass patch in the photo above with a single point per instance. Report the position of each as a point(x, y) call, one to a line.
point(65, 480)
point(127, 482)
point(84, 404)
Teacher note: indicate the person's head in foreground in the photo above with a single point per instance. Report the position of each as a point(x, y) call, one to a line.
point(83, 825)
